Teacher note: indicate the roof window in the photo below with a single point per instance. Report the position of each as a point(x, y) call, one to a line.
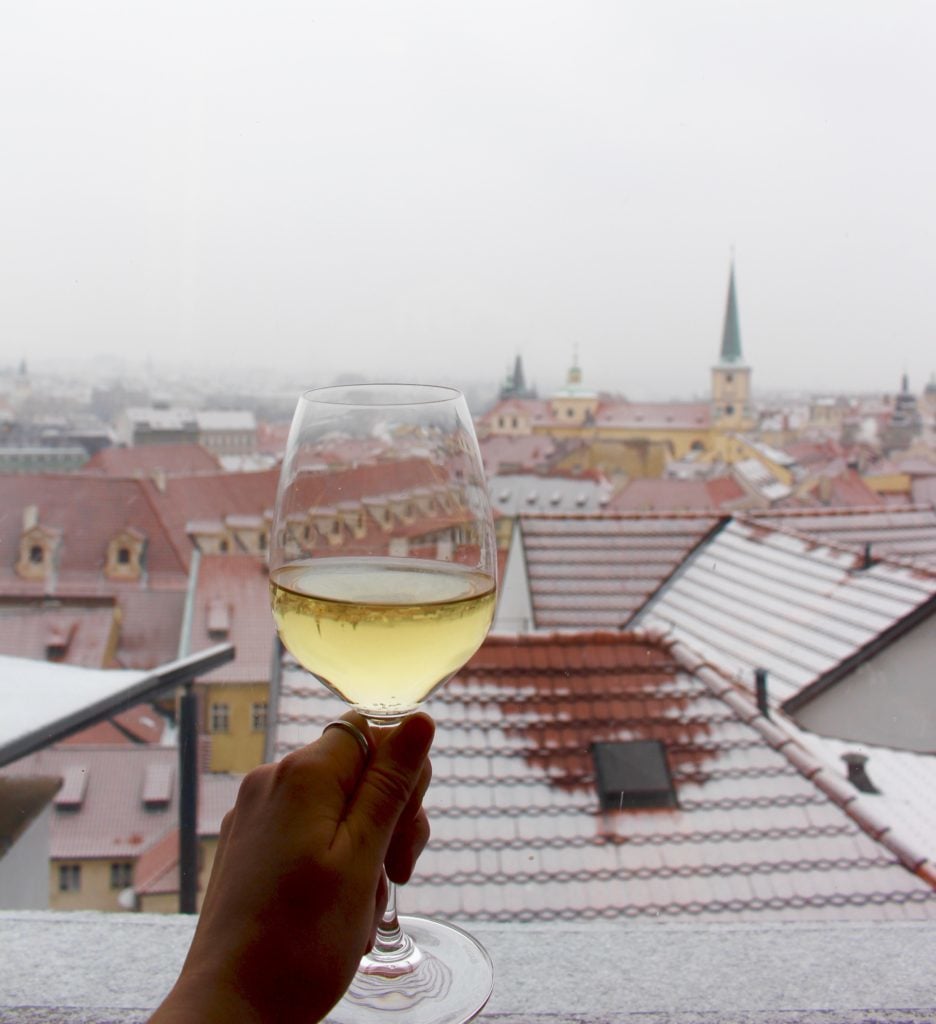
point(157, 786)
point(633, 774)
point(218, 618)
point(74, 785)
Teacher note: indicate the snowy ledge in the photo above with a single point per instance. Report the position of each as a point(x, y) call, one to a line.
point(102, 968)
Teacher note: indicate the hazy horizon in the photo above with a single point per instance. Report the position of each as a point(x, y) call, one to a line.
point(360, 187)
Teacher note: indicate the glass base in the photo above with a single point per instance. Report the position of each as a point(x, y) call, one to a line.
point(446, 979)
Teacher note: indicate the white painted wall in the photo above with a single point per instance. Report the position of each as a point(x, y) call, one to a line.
point(889, 701)
point(24, 868)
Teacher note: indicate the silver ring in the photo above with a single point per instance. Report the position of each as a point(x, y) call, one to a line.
point(351, 728)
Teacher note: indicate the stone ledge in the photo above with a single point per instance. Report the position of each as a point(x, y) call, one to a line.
point(112, 969)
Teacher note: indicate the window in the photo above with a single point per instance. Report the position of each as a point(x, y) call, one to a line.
point(223, 547)
point(123, 556)
point(69, 877)
point(220, 718)
point(633, 773)
point(121, 875)
point(36, 554)
point(258, 716)
point(262, 542)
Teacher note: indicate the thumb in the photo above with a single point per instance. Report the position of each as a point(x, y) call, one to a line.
point(390, 780)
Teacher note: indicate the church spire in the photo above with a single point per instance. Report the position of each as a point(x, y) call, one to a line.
point(731, 334)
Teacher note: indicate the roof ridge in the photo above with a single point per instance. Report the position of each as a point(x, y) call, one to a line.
point(836, 547)
point(809, 765)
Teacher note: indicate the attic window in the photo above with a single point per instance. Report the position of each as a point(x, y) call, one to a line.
point(74, 784)
point(218, 618)
point(123, 556)
point(157, 786)
point(632, 774)
point(36, 554)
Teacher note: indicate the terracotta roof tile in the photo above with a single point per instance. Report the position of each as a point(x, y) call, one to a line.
point(239, 586)
point(596, 571)
point(75, 635)
point(518, 833)
point(87, 513)
point(147, 460)
point(904, 532)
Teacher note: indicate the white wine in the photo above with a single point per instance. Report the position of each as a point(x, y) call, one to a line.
point(383, 633)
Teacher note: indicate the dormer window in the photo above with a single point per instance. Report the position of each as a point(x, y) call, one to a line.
point(124, 560)
point(37, 552)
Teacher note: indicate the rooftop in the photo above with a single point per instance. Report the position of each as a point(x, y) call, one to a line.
point(520, 833)
point(588, 572)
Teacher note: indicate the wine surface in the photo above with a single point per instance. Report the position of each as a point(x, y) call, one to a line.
point(382, 633)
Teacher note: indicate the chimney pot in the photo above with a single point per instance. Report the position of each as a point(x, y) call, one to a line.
point(857, 765)
point(760, 690)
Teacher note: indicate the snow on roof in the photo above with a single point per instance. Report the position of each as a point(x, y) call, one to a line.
point(35, 695)
point(524, 493)
point(226, 420)
point(903, 532)
point(586, 572)
point(754, 597)
point(518, 829)
point(759, 478)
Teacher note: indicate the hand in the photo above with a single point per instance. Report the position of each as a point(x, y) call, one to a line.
point(297, 888)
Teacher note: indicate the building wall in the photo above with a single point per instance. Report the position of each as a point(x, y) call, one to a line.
point(632, 458)
point(159, 903)
point(888, 701)
point(240, 747)
point(95, 892)
point(23, 873)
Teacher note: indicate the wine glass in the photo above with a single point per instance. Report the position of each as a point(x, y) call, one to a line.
point(382, 581)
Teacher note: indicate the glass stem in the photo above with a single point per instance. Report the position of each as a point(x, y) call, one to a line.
point(391, 943)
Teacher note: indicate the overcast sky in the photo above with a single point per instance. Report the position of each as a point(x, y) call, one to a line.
point(425, 189)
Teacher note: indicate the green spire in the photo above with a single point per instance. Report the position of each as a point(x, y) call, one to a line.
point(731, 336)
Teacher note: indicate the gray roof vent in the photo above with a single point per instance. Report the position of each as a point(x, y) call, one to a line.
point(633, 774)
point(857, 765)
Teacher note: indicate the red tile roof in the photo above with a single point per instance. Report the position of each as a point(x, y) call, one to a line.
point(649, 495)
point(112, 820)
point(518, 833)
point(655, 415)
point(232, 605)
point(73, 635)
point(87, 513)
point(596, 571)
point(906, 532)
point(502, 454)
point(753, 596)
point(150, 628)
point(210, 496)
point(150, 459)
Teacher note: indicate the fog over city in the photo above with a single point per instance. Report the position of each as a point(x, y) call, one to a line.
point(427, 189)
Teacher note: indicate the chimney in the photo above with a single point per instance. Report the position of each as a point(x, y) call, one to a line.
point(867, 559)
point(858, 772)
point(30, 517)
point(760, 691)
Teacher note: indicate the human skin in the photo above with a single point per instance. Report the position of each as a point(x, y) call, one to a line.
point(298, 888)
